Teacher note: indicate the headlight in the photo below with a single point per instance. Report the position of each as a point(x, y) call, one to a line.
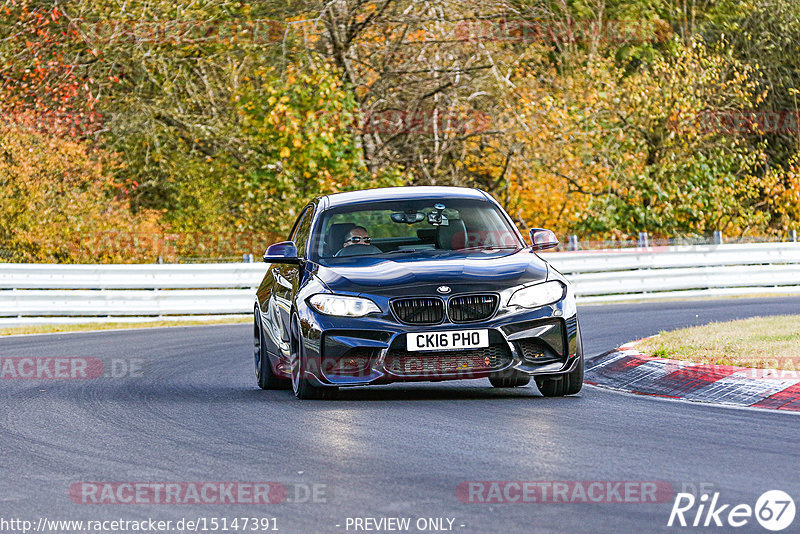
point(570, 306)
point(343, 306)
point(538, 295)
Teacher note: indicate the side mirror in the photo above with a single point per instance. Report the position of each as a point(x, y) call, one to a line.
point(283, 252)
point(542, 239)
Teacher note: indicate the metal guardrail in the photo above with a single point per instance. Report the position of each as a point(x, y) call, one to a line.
point(84, 293)
point(131, 276)
point(676, 272)
point(45, 293)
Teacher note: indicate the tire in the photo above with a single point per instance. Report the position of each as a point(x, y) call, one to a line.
point(567, 383)
point(303, 388)
point(265, 377)
point(513, 379)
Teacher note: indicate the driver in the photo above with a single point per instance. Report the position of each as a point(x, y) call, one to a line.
point(358, 235)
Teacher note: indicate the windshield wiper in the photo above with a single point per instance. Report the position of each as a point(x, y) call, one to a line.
point(488, 247)
point(484, 247)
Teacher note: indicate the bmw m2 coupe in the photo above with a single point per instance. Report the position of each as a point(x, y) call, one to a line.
point(413, 284)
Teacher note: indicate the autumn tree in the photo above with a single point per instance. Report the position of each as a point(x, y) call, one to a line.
point(58, 197)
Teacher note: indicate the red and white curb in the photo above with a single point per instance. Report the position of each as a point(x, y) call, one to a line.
point(628, 369)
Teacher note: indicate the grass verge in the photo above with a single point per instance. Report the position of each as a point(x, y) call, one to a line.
point(762, 342)
point(85, 327)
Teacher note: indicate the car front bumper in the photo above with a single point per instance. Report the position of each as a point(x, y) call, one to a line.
point(343, 351)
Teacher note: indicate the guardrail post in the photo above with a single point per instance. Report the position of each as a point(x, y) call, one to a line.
point(14, 297)
point(573, 243)
point(644, 240)
point(717, 237)
point(793, 236)
point(247, 258)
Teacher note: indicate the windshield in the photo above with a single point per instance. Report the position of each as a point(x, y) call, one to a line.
point(413, 227)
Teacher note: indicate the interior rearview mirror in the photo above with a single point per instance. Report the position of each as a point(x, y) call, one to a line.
point(408, 218)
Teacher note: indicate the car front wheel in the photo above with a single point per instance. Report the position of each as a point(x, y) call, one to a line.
point(510, 379)
point(264, 375)
point(566, 384)
point(302, 387)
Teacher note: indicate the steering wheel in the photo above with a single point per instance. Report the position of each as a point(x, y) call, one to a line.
point(358, 250)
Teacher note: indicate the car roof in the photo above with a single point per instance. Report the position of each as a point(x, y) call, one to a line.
point(399, 193)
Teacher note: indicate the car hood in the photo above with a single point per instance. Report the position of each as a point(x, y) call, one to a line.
point(420, 276)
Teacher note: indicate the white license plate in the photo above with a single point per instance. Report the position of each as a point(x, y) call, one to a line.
point(452, 340)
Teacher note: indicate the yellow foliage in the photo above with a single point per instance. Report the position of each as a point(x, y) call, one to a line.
point(58, 201)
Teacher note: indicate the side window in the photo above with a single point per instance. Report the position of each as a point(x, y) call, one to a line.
point(301, 233)
point(293, 232)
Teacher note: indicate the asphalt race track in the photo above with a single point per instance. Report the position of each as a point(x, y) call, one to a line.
point(195, 414)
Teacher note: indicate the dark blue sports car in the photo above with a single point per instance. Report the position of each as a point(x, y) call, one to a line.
point(410, 284)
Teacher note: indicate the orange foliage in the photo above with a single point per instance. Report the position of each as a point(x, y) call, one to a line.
point(56, 193)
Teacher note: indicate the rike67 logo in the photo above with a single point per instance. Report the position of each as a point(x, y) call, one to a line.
point(774, 510)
